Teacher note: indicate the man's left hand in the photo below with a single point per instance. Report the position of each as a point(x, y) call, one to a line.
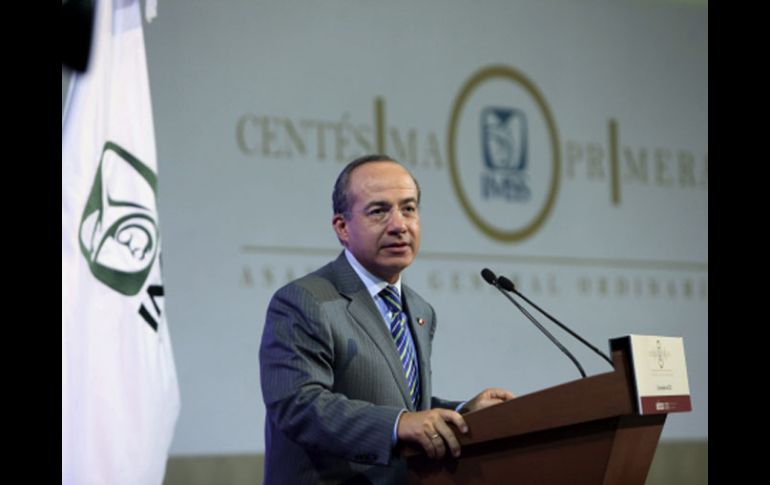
point(486, 398)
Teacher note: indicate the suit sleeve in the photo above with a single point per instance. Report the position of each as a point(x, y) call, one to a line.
point(297, 378)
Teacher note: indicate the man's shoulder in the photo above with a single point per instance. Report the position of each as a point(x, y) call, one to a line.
point(321, 284)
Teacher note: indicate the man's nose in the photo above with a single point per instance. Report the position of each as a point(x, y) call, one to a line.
point(396, 222)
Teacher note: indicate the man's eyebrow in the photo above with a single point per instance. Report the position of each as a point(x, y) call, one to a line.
point(377, 203)
point(385, 203)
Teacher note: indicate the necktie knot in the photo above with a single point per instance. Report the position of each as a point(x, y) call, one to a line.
point(391, 298)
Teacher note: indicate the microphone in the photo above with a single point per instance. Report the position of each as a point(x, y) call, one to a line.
point(508, 285)
point(490, 278)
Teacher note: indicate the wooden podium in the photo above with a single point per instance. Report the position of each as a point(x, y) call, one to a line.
point(587, 431)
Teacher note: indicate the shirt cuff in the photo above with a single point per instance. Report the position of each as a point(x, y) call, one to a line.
point(394, 437)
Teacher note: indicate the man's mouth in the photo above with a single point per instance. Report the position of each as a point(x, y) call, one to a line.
point(396, 246)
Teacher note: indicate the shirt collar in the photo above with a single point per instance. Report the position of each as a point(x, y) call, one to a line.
point(374, 284)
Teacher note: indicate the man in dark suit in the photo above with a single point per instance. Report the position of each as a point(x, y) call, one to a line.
point(345, 353)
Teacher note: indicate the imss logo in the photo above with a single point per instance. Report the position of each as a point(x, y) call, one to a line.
point(118, 229)
point(503, 153)
point(504, 149)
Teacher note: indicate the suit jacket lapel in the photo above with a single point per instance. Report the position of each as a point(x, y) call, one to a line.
point(421, 337)
point(365, 312)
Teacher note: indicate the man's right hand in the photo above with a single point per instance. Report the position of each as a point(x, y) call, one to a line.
point(430, 430)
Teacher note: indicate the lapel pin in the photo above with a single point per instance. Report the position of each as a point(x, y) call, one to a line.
point(421, 321)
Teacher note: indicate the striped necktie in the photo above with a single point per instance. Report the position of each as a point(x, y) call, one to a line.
point(404, 344)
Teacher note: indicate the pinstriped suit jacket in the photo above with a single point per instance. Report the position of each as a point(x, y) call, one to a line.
point(332, 381)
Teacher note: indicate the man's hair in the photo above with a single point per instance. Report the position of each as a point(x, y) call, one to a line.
point(340, 196)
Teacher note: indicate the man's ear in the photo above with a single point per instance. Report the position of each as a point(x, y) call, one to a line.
point(340, 228)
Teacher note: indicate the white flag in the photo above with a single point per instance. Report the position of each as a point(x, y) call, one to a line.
point(120, 398)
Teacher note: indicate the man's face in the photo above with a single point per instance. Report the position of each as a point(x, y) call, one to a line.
point(383, 231)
